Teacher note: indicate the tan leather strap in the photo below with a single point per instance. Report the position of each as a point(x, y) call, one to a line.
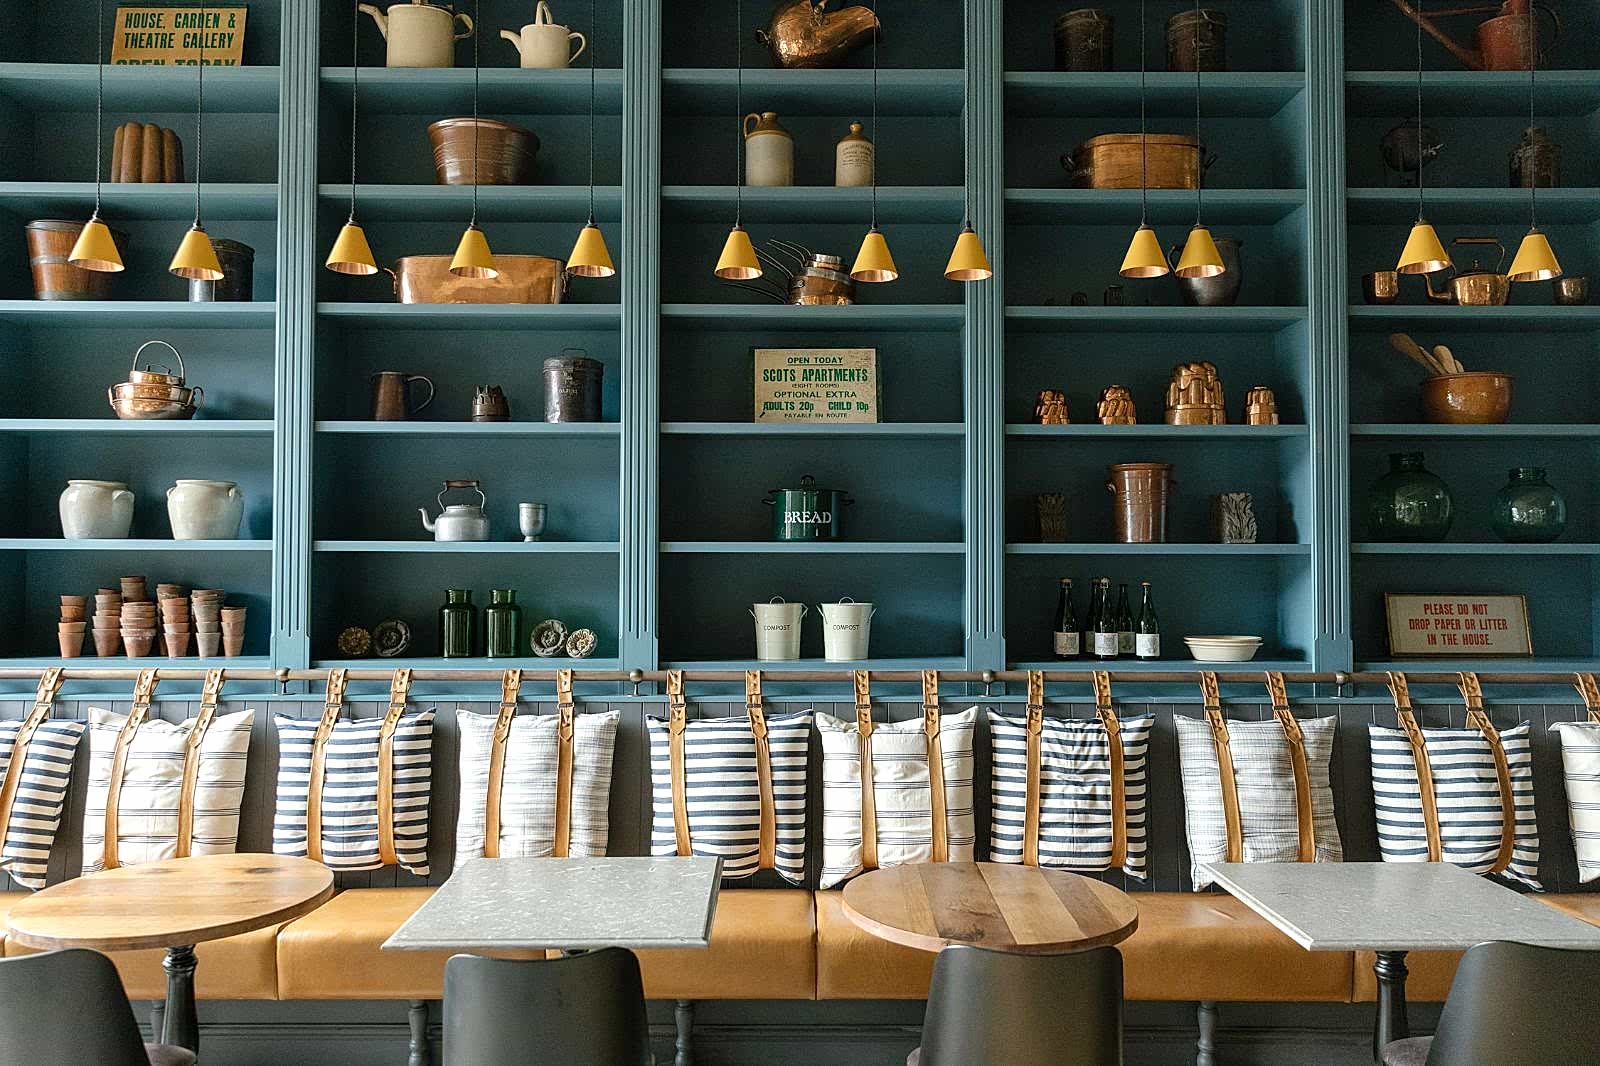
point(1590, 691)
point(49, 684)
point(144, 690)
point(1030, 812)
point(1401, 691)
point(1228, 785)
point(210, 695)
point(399, 692)
point(677, 722)
point(510, 687)
point(767, 847)
point(1296, 740)
point(332, 704)
point(1116, 767)
point(930, 730)
point(869, 804)
point(566, 722)
point(1478, 718)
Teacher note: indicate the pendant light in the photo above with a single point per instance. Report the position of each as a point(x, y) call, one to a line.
point(473, 258)
point(95, 248)
point(351, 253)
point(1423, 253)
point(590, 257)
point(1200, 257)
point(196, 259)
point(873, 262)
point(968, 261)
point(1145, 259)
point(738, 261)
point(1535, 259)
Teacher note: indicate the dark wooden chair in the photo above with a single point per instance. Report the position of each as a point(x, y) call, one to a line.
point(69, 1006)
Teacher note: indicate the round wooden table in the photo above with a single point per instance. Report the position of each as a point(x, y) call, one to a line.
point(174, 905)
point(1000, 906)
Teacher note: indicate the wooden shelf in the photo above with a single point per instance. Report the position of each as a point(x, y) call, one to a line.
point(160, 314)
point(496, 203)
point(925, 662)
point(1407, 430)
point(222, 427)
point(872, 430)
point(1451, 663)
point(1088, 665)
point(131, 544)
point(474, 316)
point(1229, 94)
point(1158, 549)
point(711, 91)
point(1120, 207)
point(815, 203)
point(459, 547)
point(439, 91)
point(71, 87)
point(1505, 206)
point(1154, 319)
point(1158, 431)
point(531, 662)
point(470, 429)
point(166, 202)
point(818, 547)
point(1511, 318)
point(769, 316)
point(1470, 93)
point(1484, 548)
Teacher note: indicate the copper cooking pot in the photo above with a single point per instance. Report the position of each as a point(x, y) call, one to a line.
point(1116, 161)
point(523, 279)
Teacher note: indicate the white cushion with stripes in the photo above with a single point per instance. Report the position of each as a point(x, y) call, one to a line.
point(528, 784)
point(723, 794)
point(41, 795)
point(1580, 763)
point(1466, 792)
point(1074, 792)
point(902, 801)
point(1263, 774)
point(350, 791)
point(152, 787)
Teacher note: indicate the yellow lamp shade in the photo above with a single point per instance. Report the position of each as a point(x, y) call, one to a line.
point(473, 258)
point(351, 253)
point(96, 249)
point(1535, 260)
point(968, 262)
point(590, 257)
point(738, 261)
point(873, 262)
point(1145, 259)
point(1200, 257)
point(196, 259)
point(1424, 253)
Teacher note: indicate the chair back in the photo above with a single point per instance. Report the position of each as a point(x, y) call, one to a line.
point(990, 1007)
point(581, 1010)
point(1512, 1004)
point(66, 1006)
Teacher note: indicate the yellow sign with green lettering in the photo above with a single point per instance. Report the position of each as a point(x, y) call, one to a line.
point(816, 385)
point(177, 36)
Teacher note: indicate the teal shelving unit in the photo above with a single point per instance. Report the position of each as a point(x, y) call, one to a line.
point(657, 535)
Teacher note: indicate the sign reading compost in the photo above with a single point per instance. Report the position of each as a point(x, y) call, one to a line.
point(175, 36)
point(1450, 624)
point(816, 384)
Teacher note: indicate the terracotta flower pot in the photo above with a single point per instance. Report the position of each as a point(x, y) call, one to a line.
point(71, 644)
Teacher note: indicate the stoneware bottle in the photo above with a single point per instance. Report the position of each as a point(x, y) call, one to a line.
point(853, 159)
point(768, 151)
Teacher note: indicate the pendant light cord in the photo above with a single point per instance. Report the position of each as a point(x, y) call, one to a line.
point(591, 109)
point(876, 140)
point(199, 114)
point(99, 97)
point(1200, 175)
point(1533, 67)
point(966, 142)
point(1144, 133)
point(476, 22)
point(355, 93)
point(738, 107)
point(1421, 191)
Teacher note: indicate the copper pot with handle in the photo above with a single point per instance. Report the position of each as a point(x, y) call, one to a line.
point(522, 279)
point(154, 392)
point(1477, 286)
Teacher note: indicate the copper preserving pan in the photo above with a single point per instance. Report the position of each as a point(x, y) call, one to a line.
point(1113, 161)
point(524, 279)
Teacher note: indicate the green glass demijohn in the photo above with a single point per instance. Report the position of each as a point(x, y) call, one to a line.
point(1409, 503)
point(1528, 510)
point(458, 625)
point(502, 624)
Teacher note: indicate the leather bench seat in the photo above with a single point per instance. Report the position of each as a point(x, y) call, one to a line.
point(1187, 947)
point(238, 967)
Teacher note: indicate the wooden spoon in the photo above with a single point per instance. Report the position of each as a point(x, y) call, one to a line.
point(1411, 349)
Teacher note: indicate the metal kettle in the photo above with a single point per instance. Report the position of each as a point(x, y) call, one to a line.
point(458, 521)
point(804, 33)
point(1477, 286)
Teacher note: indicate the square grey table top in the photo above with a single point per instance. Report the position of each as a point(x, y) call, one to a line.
point(519, 903)
point(1382, 906)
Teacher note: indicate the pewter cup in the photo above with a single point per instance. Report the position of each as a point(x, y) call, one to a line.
point(530, 517)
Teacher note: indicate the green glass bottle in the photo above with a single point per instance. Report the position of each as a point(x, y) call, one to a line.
point(502, 624)
point(1409, 503)
point(458, 625)
point(1528, 510)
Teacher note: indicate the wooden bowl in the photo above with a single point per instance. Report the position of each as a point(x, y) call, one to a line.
point(506, 153)
point(1477, 398)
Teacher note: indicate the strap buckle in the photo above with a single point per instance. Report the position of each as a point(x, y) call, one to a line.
point(1102, 690)
point(399, 692)
point(1277, 690)
point(144, 690)
point(1471, 690)
point(50, 683)
point(677, 709)
point(1209, 690)
point(332, 703)
point(1589, 689)
point(210, 696)
point(1035, 701)
point(1400, 690)
point(565, 710)
point(753, 704)
point(510, 691)
point(930, 702)
point(862, 682)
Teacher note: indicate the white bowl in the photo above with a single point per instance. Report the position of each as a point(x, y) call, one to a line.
point(1223, 649)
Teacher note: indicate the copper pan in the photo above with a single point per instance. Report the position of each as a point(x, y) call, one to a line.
point(523, 279)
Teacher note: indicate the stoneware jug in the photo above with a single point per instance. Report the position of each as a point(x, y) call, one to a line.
point(768, 151)
point(205, 510)
point(96, 510)
point(543, 44)
point(419, 34)
point(458, 521)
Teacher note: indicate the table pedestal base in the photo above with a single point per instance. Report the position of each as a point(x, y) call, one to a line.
point(180, 1024)
point(1392, 1023)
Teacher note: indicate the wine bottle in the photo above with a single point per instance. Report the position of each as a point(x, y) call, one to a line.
point(1124, 622)
point(1093, 617)
point(1067, 643)
point(1105, 624)
point(1147, 640)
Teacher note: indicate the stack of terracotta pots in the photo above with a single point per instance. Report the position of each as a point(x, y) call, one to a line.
point(232, 631)
point(70, 630)
point(138, 627)
point(107, 627)
point(175, 624)
point(206, 608)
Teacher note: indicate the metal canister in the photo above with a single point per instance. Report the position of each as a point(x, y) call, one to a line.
point(572, 387)
point(1083, 40)
point(1536, 161)
point(238, 275)
point(1197, 40)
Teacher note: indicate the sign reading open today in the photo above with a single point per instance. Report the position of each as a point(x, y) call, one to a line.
point(174, 36)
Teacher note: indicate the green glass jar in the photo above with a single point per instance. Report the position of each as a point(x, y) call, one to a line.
point(502, 622)
point(1409, 503)
point(1528, 510)
point(458, 625)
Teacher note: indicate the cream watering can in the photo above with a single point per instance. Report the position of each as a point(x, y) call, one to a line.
point(458, 521)
point(543, 44)
point(419, 34)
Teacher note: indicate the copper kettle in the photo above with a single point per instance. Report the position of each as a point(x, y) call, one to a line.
point(803, 33)
point(1477, 286)
point(1505, 41)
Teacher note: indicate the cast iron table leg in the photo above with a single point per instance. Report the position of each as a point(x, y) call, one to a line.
point(1392, 1024)
point(182, 1026)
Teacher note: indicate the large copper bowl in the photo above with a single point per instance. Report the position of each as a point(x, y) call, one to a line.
point(506, 153)
point(1477, 398)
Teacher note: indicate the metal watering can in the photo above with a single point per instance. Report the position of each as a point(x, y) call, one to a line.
point(1506, 41)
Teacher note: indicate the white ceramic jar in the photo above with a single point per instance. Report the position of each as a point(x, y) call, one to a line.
point(96, 510)
point(205, 510)
point(768, 151)
point(853, 159)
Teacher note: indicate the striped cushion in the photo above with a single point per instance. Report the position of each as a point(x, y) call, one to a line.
point(1580, 761)
point(1074, 792)
point(1264, 779)
point(41, 793)
point(1467, 793)
point(528, 784)
point(723, 794)
point(901, 798)
point(350, 791)
point(152, 787)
